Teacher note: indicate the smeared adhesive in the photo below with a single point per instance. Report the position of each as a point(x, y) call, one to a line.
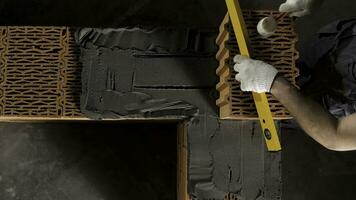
point(224, 156)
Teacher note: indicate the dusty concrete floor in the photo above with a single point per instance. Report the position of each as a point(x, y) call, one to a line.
point(310, 171)
point(89, 161)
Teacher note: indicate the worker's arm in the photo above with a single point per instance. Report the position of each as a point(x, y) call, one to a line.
point(334, 134)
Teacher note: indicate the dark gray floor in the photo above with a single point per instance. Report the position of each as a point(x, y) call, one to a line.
point(109, 13)
point(311, 172)
point(192, 13)
point(89, 161)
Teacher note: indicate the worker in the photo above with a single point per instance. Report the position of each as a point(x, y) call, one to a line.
point(335, 52)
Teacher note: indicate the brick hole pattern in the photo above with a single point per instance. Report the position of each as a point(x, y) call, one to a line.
point(39, 72)
point(278, 50)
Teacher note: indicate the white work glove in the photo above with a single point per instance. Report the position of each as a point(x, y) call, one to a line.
point(254, 75)
point(299, 8)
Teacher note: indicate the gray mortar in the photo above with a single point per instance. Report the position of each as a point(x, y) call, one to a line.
point(163, 72)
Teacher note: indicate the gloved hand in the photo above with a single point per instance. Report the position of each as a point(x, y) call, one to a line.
point(254, 75)
point(299, 8)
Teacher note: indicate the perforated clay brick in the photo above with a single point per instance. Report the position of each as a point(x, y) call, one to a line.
point(278, 50)
point(39, 73)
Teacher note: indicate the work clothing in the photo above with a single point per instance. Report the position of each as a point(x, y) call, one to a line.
point(336, 41)
point(254, 75)
point(299, 8)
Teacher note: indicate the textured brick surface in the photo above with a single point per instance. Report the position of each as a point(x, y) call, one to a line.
point(39, 72)
point(278, 50)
